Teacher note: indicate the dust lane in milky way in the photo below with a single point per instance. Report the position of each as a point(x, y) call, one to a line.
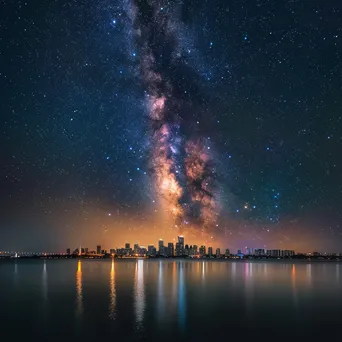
point(181, 164)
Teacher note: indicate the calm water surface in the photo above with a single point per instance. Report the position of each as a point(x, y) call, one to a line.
point(168, 299)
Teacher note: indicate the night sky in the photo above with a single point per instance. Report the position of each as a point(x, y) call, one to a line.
point(257, 83)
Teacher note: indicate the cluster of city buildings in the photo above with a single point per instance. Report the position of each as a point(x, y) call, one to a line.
point(180, 249)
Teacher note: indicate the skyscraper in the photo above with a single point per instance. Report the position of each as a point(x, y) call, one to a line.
point(151, 251)
point(202, 250)
point(227, 254)
point(179, 249)
point(136, 248)
point(210, 252)
point(181, 240)
point(218, 253)
point(127, 245)
point(98, 249)
point(68, 251)
point(195, 249)
point(171, 249)
point(161, 247)
point(186, 250)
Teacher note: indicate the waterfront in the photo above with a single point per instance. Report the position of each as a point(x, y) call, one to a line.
point(168, 299)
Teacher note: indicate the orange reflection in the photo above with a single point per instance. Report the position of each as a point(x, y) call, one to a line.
point(79, 289)
point(112, 296)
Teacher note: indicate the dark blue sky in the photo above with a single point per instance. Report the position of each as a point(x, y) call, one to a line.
point(74, 126)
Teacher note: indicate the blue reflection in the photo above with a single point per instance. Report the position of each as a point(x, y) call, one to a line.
point(160, 290)
point(44, 282)
point(181, 296)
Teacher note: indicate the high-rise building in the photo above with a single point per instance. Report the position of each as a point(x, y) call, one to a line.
point(274, 253)
point(202, 250)
point(112, 251)
point(98, 249)
point(127, 245)
point(104, 251)
point(161, 247)
point(171, 249)
point(151, 251)
point(68, 251)
point(195, 249)
point(136, 249)
point(179, 249)
point(191, 250)
point(239, 251)
point(249, 251)
point(86, 250)
point(210, 252)
point(287, 253)
point(142, 251)
point(259, 252)
point(218, 253)
point(181, 240)
point(227, 253)
point(186, 250)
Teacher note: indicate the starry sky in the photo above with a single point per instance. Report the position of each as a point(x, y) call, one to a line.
point(264, 86)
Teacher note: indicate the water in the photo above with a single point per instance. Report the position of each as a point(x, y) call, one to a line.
point(142, 300)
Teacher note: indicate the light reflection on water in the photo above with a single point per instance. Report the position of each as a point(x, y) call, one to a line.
point(139, 292)
point(181, 297)
point(79, 289)
point(112, 295)
point(45, 283)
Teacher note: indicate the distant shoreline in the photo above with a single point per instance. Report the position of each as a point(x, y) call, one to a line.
point(240, 260)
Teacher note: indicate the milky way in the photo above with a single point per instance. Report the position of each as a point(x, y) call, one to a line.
point(182, 167)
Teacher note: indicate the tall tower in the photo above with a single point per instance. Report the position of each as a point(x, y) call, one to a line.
point(161, 247)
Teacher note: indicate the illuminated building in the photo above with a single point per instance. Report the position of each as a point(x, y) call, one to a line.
point(227, 253)
point(287, 253)
point(186, 250)
point(179, 249)
point(239, 251)
point(202, 250)
point(104, 251)
point(86, 250)
point(218, 253)
point(142, 251)
point(68, 251)
point(161, 247)
point(112, 251)
point(195, 249)
point(127, 245)
point(98, 249)
point(210, 251)
point(249, 251)
point(191, 250)
point(259, 252)
point(171, 249)
point(181, 240)
point(136, 248)
point(276, 253)
point(151, 251)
